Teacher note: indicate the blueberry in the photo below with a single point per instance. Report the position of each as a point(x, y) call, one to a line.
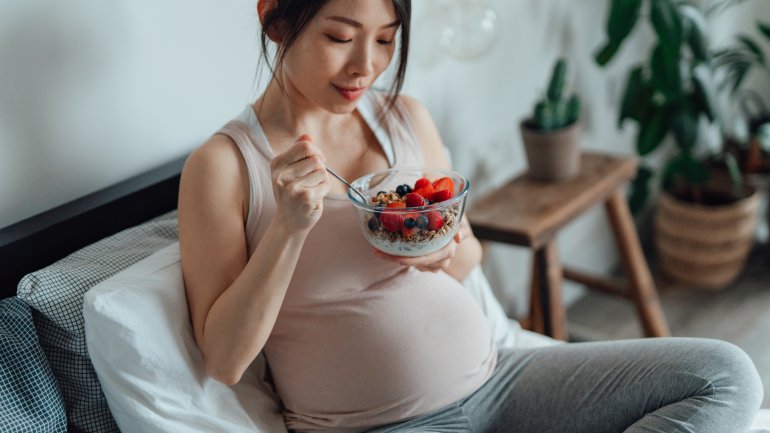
point(403, 190)
point(409, 223)
point(374, 224)
point(422, 222)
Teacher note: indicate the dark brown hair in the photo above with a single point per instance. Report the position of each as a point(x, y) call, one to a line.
point(290, 17)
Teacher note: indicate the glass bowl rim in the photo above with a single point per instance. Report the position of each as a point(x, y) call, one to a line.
point(458, 197)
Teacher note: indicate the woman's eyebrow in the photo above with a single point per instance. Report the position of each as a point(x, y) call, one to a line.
point(356, 24)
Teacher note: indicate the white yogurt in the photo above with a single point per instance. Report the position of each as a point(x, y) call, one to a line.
point(410, 249)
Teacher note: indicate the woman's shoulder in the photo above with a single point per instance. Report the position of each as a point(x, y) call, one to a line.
point(217, 153)
point(216, 168)
point(414, 107)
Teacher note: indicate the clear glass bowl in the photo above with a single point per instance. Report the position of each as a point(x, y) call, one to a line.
point(408, 231)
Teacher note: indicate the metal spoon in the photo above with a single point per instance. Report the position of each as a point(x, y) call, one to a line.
point(341, 179)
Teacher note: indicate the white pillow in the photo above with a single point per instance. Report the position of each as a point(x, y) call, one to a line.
point(141, 344)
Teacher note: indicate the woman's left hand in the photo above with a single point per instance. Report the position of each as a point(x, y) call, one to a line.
point(435, 261)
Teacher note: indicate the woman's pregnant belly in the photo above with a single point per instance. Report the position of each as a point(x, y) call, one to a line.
point(396, 350)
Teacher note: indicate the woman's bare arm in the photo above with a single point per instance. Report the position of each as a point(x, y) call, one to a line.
point(234, 301)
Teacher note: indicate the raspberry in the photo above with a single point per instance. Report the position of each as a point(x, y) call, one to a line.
point(392, 221)
point(414, 200)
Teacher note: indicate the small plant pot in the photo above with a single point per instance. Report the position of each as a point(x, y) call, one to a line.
point(552, 155)
point(704, 246)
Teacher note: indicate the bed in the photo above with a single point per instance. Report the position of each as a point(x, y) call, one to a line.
point(86, 285)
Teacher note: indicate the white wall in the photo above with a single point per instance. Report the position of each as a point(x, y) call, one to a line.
point(92, 92)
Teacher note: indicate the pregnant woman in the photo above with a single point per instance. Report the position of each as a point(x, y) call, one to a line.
point(273, 261)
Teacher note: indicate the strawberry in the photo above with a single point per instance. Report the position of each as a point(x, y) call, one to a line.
point(435, 220)
point(414, 200)
point(392, 221)
point(442, 195)
point(444, 184)
point(421, 182)
point(426, 192)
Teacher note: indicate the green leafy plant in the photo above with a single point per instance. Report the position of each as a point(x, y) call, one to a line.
point(739, 60)
point(669, 94)
point(555, 111)
point(751, 144)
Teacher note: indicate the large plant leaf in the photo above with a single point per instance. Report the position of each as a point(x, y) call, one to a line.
point(684, 171)
point(684, 125)
point(697, 32)
point(666, 75)
point(697, 173)
point(639, 190)
point(705, 88)
point(735, 174)
point(637, 97)
point(736, 64)
point(764, 29)
point(667, 21)
point(720, 6)
point(606, 53)
point(622, 19)
point(753, 48)
point(652, 131)
point(738, 74)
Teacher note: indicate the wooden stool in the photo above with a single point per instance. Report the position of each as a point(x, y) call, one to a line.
point(530, 213)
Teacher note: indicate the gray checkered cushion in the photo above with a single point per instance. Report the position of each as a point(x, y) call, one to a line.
point(56, 295)
point(29, 398)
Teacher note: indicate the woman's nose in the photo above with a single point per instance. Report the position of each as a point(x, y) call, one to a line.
point(361, 63)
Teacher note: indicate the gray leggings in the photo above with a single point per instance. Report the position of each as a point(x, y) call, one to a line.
point(652, 385)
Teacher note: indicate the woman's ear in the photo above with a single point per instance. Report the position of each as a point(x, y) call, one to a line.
point(263, 7)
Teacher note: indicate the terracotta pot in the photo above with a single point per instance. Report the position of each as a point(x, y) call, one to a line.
point(704, 246)
point(552, 155)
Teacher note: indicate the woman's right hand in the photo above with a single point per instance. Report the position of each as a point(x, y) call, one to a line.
point(300, 183)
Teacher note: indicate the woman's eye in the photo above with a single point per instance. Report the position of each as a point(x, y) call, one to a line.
point(385, 42)
point(337, 40)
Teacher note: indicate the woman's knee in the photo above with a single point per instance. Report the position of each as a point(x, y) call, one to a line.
point(730, 369)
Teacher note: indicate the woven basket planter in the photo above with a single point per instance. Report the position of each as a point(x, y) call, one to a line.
point(704, 246)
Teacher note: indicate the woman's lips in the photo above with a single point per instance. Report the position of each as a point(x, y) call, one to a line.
point(350, 93)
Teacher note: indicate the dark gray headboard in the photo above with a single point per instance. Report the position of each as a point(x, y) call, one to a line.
point(40, 240)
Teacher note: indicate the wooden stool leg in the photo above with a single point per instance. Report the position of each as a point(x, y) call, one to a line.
point(549, 289)
point(535, 319)
point(643, 289)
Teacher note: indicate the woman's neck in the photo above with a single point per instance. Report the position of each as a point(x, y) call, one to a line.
point(288, 114)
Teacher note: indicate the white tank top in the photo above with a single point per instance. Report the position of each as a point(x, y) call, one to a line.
point(359, 341)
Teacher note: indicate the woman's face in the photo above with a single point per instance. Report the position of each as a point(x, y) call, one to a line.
point(340, 53)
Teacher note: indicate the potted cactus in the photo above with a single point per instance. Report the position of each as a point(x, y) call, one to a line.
point(552, 135)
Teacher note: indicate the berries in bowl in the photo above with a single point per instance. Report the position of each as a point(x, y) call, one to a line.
point(410, 211)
